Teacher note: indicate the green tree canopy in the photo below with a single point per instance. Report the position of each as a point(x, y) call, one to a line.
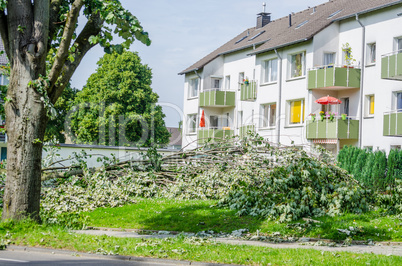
point(117, 105)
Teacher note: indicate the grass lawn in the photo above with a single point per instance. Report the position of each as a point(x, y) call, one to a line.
point(28, 233)
point(199, 215)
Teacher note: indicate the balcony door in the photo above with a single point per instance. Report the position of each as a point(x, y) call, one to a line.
point(344, 108)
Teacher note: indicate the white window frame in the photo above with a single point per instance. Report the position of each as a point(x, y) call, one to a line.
point(395, 101)
point(396, 44)
point(292, 75)
point(192, 128)
point(367, 105)
point(333, 54)
point(266, 121)
point(191, 83)
point(214, 82)
point(267, 70)
point(371, 55)
point(288, 114)
point(227, 82)
point(242, 76)
point(240, 119)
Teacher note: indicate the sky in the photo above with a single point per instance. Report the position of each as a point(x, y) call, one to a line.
point(183, 32)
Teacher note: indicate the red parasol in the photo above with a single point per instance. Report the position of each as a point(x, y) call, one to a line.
point(328, 100)
point(202, 120)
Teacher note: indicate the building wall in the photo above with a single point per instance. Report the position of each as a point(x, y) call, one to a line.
point(380, 27)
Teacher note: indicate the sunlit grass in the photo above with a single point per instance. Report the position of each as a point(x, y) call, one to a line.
point(199, 215)
point(29, 233)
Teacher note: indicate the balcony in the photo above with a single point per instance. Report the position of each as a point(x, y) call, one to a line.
point(336, 129)
point(248, 92)
point(217, 98)
point(334, 77)
point(393, 123)
point(204, 135)
point(391, 65)
point(243, 130)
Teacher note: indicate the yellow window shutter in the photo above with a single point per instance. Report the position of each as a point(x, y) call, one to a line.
point(371, 105)
point(295, 112)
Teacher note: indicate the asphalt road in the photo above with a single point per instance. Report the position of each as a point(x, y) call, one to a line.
point(36, 256)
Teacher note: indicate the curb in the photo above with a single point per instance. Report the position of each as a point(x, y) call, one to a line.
point(109, 257)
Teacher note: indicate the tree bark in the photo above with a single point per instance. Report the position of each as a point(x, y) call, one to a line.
point(26, 116)
point(26, 122)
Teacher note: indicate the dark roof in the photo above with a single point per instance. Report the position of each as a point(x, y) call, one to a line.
point(3, 57)
point(305, 25)
point(175, 138)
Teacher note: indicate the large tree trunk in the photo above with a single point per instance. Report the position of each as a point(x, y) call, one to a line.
point(26, 33)
point(26, 123)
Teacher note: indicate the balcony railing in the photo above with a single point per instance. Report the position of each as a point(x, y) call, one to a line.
point(393, 123)
point(333, 129)
point(248, 92)
point(391, 65)
point(205, 135)
point(217, 98)
point(244, 130)
point(334, 77)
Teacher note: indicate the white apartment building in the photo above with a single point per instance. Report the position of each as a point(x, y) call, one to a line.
point(268, 78)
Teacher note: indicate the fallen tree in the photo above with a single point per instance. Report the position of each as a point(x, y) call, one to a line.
point(249, 174)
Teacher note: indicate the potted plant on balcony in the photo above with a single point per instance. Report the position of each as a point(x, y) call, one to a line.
point(246, 81)
point(322, 114)
point(313, 116)
point(347, 53)
point(344, 116)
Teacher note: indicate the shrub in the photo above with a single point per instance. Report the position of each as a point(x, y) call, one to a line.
point(394, 166)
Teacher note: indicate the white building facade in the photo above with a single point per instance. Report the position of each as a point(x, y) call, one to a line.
point(268, 78)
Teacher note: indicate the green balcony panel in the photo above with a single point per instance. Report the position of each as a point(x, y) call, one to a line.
point(217, 98)
point(204, 135)
point(391, 66)
point(336, 129)
point(248, 92)
point(334, 77)
point(246, 129)
point(393, 124)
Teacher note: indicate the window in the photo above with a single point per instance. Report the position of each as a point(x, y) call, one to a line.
point(370, 105)
point(297, 65)
point(225, 120)
point(368, 148)
point(346, 59)
point(193, 88)
point(395, 147)
point(344, 107)
point(227, 83)
point(371, 49)
point(268, 118)
point(270, 70)
point(329, 59)
point(398, 44)
point(241, 78)
point(192, 123)
point(213, 121)
point(4, 80)
point(215, 83)
point(239, 119)
point(296, 112)
point(397, 104)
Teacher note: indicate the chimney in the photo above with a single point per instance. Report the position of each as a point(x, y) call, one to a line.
point(290, 20)
point(263, 18)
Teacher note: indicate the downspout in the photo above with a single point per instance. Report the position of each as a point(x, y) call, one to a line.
point(361, 80)
point(279, 98)
point(199, 95)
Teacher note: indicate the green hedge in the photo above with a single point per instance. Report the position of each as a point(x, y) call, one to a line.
point(372, 169)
